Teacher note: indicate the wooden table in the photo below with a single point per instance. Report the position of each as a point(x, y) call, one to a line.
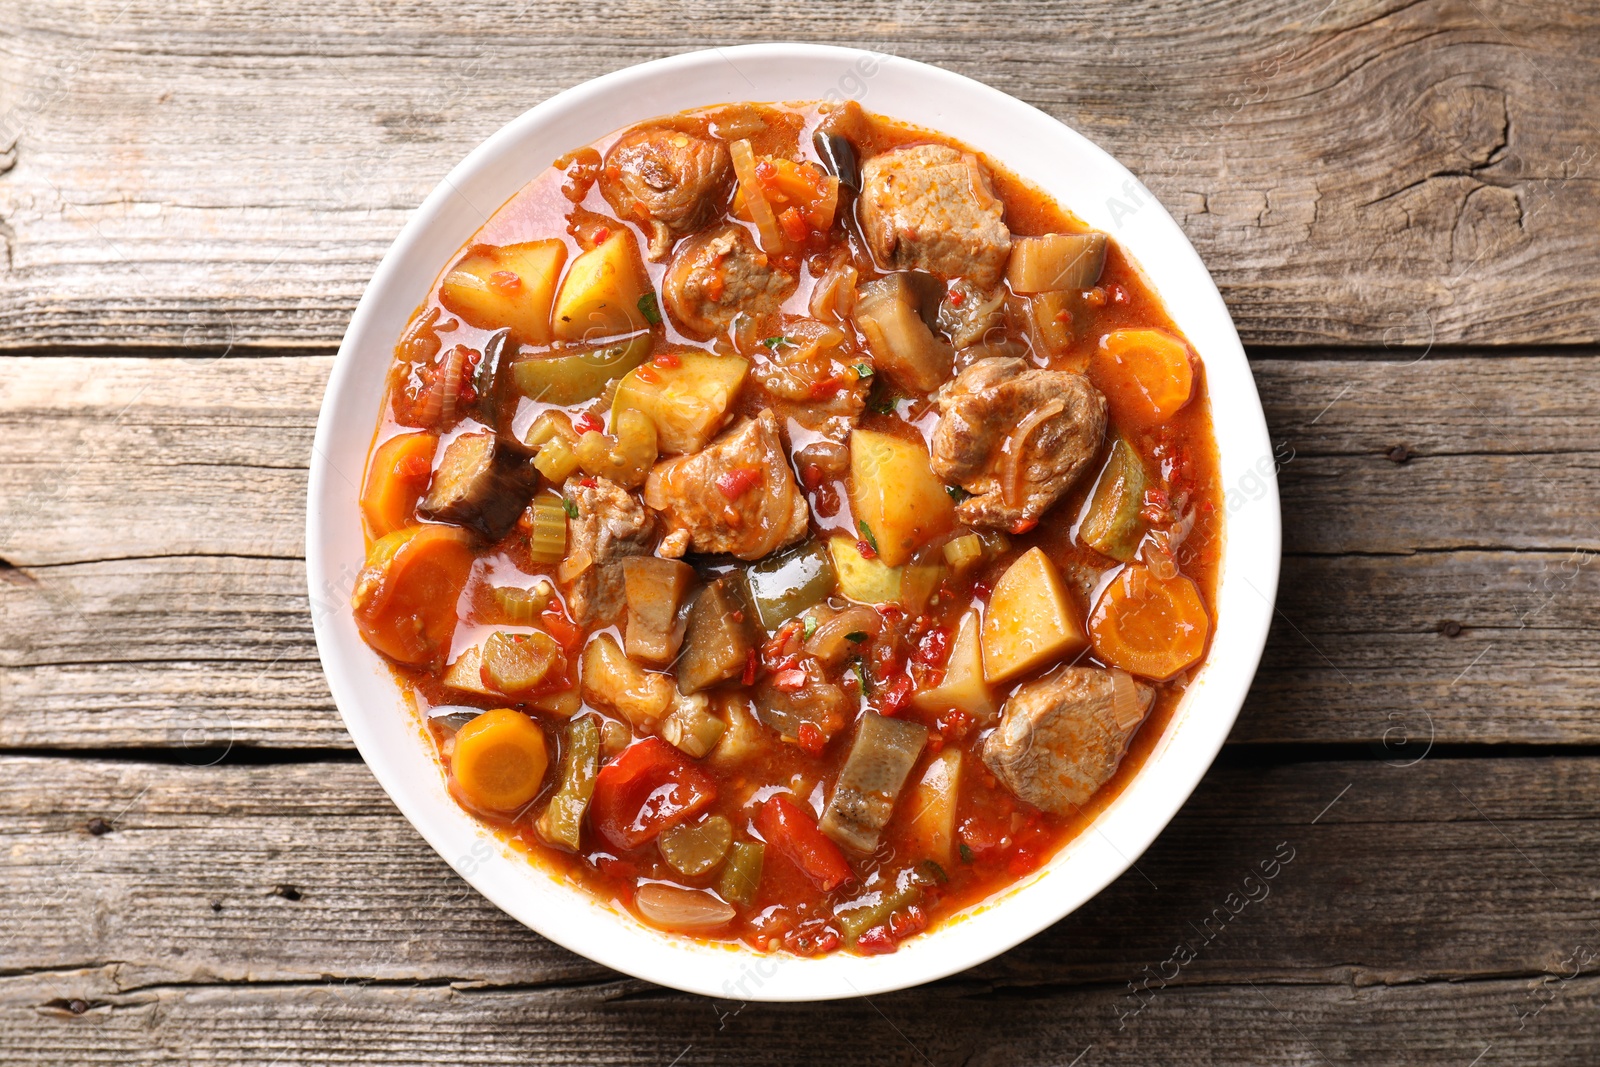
point(1398, 200)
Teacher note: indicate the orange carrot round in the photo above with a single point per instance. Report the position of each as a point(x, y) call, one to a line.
point(1146, 375)
point(405, 597)
point(500, 759)
point(396, 480)
point(1148, 626)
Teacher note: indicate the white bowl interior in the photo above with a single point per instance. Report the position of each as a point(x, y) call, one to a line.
point(1031, 144)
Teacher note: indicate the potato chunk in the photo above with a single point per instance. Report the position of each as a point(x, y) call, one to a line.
point(894, 491)
point(688, 401)
point(1031, 620)
point(496, 286)
point(602, 292)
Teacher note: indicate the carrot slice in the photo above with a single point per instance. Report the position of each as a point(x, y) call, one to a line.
point(405, 597)
point(396, 480)
point(1148, 626)
point(1146, 375)
point(499, 760)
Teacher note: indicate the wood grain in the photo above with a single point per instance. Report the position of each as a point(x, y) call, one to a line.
point(289, 873)
point(1376, 172)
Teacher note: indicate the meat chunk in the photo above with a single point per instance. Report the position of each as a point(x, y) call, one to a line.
point(738, 495)
point(719, 273)
point(480, 485)
point(1016, 438)
point(611, 525)
point(929, 207)
point(670, 181)
point(1062, 737)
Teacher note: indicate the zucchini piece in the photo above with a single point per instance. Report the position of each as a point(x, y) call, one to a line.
point(561, 822)
point(741, 875)
point(784, 585)
point(1113, 527)
point(563, 377)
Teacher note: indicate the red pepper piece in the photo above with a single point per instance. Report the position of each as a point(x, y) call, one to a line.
point(793, 834)
point(649, 788)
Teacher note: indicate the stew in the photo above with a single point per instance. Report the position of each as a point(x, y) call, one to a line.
point(795, 526)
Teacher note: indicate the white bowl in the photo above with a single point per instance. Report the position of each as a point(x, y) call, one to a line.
point(1031, 144)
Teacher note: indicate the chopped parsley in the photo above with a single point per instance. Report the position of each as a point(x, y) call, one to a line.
point(866, 534)
point(936, 871)
point(957, 493)
point(809, 628)
point(864, 370)
point(862, 678)
point(966, 853)
point(776, 342)
point(854, 636)
point(650, 309)
point(569, 507)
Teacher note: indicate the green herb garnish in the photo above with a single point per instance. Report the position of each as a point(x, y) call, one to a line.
point(957, 493)
point(774, 342)
point(809, 628)
point(864, 370)
point(936, 871)
point(866, 534)
point(966, 853)
point(569, 507)
point(854, 636)
point(650, 309)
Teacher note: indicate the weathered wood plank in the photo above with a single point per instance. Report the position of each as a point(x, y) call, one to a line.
point(1443, 1024)
point(1379, 171)
point(211, 651)
point(1372, 863)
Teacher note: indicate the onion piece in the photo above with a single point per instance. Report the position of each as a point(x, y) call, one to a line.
point(1126, 707)
point(831, 641)
point(1016, 446)
point(744, 165)
point(833, 300)
point(673, 907)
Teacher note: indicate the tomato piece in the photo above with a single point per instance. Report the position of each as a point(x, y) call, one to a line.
point(794, 835)
point(737, 482)
point(396, 480)
point(405, 597)
point(648, 788)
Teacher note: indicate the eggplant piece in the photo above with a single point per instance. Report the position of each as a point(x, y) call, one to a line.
point(718, 638)
point(479, 485)
point(655, 589)
point(884, 752)
point(893, 314)
point(839, 158)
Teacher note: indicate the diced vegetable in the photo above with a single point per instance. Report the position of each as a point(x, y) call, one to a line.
point(963, 552)
point(863, 798)
point(521, 665)
point(839, 156)
point(717, 638)
point(624, 458)
point(465, 673)
point(1148, 626)
point(612, 680)
point(572, 377)
point(894, 491)
point(784, 585)
point(1055, 261)
point(405, 597)
point(561, 822)
point(506, 286)
point(649, 788)
point(755, 200)
point(556, 459)
point(903, 346)
point(688, 402)
point(1031, 620)
point(744, 738)
point(1113, 526)
point(792, 834)
point(523, 606)
point(600, 296)
point(690, 727)
point(931, 806)
point(673, 907)
point(1146, 376)
point(499, 760)
point(396, 480)
point(871, 581)
point(1054, 321)
point(480, 485)
point(741, 875)
point(872, 910)
point(803, 189)
point(655, 589)
point(696, 850)
point(964, 687)
point(840, 635)
point(547, 529)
